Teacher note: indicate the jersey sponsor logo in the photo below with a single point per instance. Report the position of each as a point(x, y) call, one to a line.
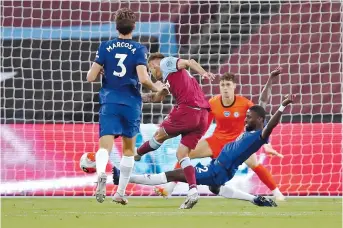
point(227, 113)
point(236, 114)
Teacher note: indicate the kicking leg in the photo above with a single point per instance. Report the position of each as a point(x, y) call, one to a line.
point(153, 144)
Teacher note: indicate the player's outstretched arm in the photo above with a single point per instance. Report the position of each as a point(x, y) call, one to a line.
point(183, 64)
point(273, 122)
point(94, 72)
point(145, 80)
point(267, 90)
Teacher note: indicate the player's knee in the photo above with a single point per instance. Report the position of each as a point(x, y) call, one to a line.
point(182, 152)
point(160, 136)
point(128, 152)
point(251, 164)
point(106, 142)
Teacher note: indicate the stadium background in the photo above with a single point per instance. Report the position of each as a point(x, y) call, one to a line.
point(49, 111)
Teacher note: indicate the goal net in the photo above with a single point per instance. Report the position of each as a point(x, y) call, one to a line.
point(49, 112)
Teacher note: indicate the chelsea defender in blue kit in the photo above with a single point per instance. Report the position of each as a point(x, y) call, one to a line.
point(222, 169)
point(123, 62)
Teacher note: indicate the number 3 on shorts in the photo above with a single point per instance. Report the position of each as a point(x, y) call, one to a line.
point(121, 58)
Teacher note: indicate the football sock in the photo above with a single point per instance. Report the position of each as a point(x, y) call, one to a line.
point(169, 187)
point(276, 192)
point(101, 160)
point(126, 166)
point(189, 172)
point(149, 179)
point(148, 146)
point(265, 176)
point(233, 193)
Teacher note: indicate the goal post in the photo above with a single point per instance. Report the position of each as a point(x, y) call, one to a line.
point(49, 112)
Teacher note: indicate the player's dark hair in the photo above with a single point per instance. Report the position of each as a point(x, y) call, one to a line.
point(227, 77)
point(125, 21)
point(155, 55)
point(259, 110)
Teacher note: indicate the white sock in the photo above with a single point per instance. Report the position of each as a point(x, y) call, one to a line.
point(233, 193)
point(169, 187)
point(126, 166)
point(276, 192)
point(101, 160)
point(149, 179)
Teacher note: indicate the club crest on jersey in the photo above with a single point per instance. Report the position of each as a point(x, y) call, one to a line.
point(236, 114)
point(227, 113)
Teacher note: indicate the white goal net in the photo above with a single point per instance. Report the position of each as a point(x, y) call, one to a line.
point(49, 112)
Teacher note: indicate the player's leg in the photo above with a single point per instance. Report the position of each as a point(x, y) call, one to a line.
point(196, 122)
point(265, 176)
point(153, 144)
point(101, 160)
point(109, 125)
point(161, 178)
point(126, 166)
point(201, 150)
point(131, 124)
point(234, 193)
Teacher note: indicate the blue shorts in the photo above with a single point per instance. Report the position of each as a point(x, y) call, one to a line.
point(119, 120)
point(212, 174)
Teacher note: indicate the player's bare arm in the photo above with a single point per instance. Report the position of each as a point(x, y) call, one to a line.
point(267, 90)
point(263, 101)
point(156, 97)
point(145, 80)
point(194, 65)
point(94, 72)
point(273, 122)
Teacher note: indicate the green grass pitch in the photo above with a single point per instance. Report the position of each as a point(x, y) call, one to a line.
point(156, 212)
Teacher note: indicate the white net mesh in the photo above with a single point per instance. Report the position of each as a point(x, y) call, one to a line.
point(49, 112)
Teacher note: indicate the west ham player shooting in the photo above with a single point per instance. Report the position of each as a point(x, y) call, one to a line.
point(222, 169)
point(124, 63)
point(229, 110)
point(188, 119)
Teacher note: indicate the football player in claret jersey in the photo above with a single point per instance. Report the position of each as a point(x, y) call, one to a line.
point(229, 110)
point(223, 168)
point(124, 63)
point(188, 119)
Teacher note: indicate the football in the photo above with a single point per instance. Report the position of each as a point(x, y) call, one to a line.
point(87, 162)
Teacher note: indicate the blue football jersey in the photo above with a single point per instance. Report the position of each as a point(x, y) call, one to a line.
point(120, 83)
point(235, 153)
